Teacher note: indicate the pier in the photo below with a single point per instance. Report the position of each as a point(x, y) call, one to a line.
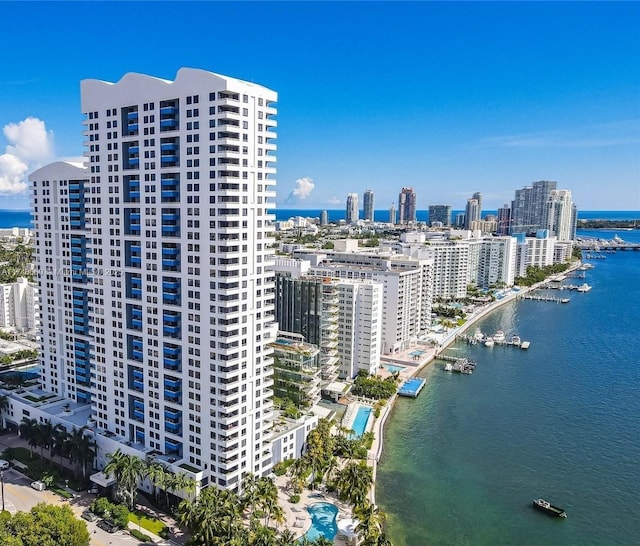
point(551, 299)
point(412, 387)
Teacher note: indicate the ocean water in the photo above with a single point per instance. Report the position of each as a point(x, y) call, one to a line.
point(335, 215)
point(22, 218)
point(462, 463)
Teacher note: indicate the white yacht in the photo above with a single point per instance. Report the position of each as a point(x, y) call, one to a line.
point(584, 288)
point(515, 340)
point(489, 342)
point(499, 337)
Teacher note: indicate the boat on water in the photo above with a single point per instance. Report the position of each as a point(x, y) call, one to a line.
point(478, 335)
point(499, 337)
point(448, 367)
point(548, 508)
point(564, 300)
point(584, 288)
point(525, 345)
point(515, 340)
point(489, 342)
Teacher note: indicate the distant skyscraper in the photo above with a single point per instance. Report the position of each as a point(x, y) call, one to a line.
point(460, 218)
point(368, 205)
point(504, 220)
point(478, 197)
point(407, 206)
point(440, 213)
point(472, 212)
point(352, 208)
point(324, 218)
point(560, 215)
point(528, 209)
point(392, 214)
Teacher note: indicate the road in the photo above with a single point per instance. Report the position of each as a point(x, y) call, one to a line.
point(19, 496)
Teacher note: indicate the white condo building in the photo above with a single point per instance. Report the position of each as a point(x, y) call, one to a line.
point(18, 303)
point(157, 304)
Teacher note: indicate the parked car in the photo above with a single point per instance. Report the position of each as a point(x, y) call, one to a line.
point(38, 486)
point(108, 526)
point(4, 464)
point(89, 516)
point(93, 491)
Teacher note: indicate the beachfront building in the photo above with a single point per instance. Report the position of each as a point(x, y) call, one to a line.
point(18, 301)
point(167, 336)
point(540, 249)
point(407, 206)
point(368, 205)
point(406, 289)
point(504, 220)
point(352, 213)
point(392, 214)
point(342, 317)
point(528, 209)
point(440, 214)
point(473, 210)
point(497, 262)
point(560, 215)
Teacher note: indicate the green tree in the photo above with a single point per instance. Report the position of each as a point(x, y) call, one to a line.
point(370, 524)
point(127, 470)
point(44, 525)
point(44, 433)
point(82, 449)
point(354, 482)
point(4, 406)
point(60, 444)
point(28, 430)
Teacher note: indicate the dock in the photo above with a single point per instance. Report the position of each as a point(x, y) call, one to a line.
point(412, 387)
point(551, 299)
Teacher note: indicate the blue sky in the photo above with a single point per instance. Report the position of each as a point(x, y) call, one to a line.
point(450, 98)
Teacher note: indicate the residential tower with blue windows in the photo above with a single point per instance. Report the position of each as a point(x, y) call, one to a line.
point(158, 309)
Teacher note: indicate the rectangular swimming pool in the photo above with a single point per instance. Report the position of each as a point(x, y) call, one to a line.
point(360, 422)
point(393, 368)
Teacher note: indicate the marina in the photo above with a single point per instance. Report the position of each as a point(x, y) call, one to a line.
point(499, 338)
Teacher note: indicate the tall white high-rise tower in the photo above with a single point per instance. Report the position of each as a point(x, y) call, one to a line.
point(165, 319)
point(352, 212)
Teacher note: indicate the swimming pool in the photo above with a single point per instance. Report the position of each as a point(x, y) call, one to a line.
point(323, 521)
point(360, 422)
point(393, 368)
point(417, 352)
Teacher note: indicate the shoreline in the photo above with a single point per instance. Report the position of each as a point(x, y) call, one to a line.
point(378, 427)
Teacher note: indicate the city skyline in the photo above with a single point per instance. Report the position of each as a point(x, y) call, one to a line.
point(523, 97)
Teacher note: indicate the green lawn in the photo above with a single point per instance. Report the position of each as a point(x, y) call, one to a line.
point(150, 524)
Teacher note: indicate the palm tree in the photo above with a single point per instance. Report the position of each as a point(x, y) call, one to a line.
point(4, 405)
point(60, 442)
point(371, 521)
point(127, 470)
point(28, 430)
point(82, 449)
point(298, 472)
point(181, 482)
point(287, 538)
point(43, 435)
point(354, 481)
point(249, 492)
point(155, 473)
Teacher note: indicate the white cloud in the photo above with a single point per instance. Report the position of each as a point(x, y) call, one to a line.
point(12, 174)
point(334, 201)
point(304, 187)
point(29, 145)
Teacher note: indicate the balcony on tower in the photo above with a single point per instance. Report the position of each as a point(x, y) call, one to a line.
point(134, 316)
point(169, 152)
point(131, 189)
point(171, 257)
point(171, 357)
point(130, 155)
point(172, 390)
point(170, 188)
point(173, 421)
point(173, 447)
point(136, 409)
point(133, 254)
point(169, 115)
point(170, 223)
point(132, 221)
point(171, 323)
point(129, 120)
point(133, 282)
point(136, 379)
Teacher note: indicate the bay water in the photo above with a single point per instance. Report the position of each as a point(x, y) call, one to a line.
point(463, 462)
